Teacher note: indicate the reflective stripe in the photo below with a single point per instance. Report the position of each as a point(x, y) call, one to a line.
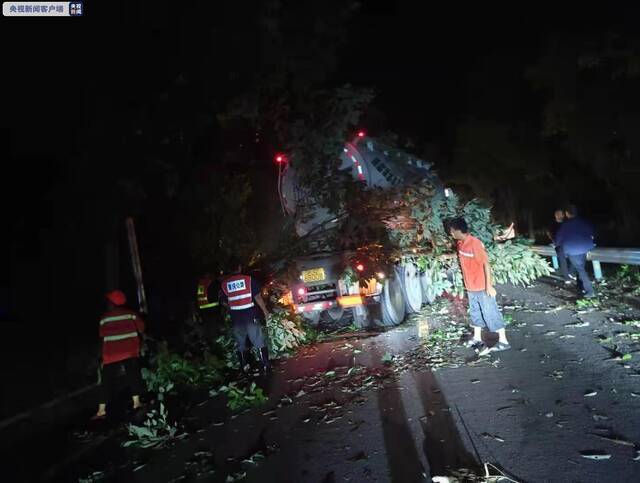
point(128, 335)
point(241, 307)
point(465, 253)
point(115, 318)
point(238, 297)
point(207, 306)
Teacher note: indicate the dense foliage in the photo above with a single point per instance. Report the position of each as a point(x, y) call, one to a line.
point(239, 397)
point(170, 371)
point(284, 332)
point(156, 432)
point(627, 278)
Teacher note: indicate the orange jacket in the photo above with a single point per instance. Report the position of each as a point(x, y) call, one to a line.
point(119, 330)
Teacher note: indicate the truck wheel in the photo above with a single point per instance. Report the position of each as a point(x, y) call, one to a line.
point(392, 300)
point(361, 317)
point(428, 293)
point(312, 317)
point(335, 313)
point(411, 289)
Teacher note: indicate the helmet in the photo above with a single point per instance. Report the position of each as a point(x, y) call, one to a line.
point(116, 297)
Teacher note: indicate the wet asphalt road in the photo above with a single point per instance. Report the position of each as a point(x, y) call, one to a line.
point(527, 413)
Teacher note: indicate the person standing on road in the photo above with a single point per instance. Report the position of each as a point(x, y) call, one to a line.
point(576, 237)
point(476, 274)
point(207, 296)
point(559, 218)
point(120, 330)
point(242, 294)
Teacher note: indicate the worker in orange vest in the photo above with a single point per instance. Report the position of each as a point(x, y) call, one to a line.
point(204, 300)
point(208, 305)
point(120, 330)
point(242, 295)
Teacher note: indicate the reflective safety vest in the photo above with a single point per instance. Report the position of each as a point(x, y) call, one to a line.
point(237, 288)
point(119, 329)
point(203, 299)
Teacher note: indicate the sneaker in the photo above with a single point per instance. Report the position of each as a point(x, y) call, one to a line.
point(485, 351)
point(501, 346)
point(472, 344)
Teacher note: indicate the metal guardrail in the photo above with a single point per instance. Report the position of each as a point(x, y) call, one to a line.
point(621, 256)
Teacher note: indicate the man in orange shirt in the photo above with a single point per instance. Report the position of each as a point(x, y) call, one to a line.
point(476, 273)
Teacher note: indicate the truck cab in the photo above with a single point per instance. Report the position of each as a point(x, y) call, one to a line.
point(322, 291)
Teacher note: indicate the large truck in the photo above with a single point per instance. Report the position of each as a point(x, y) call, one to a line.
point(322, 292)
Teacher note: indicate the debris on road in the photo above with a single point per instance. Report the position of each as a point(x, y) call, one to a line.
point(613, 438)
point(575, 325)
point(596, 455)
point(492, 436)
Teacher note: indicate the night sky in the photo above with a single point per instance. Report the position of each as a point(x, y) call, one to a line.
point(422, 62)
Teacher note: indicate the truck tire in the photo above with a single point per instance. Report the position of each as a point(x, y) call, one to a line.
point(428, 292)
point(335, 313)
point(336, 317)
point(361, 317)
point(393, 304)
point(411, 290)
point(312, 317)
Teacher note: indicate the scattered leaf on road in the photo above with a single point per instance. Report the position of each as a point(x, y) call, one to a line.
point(575, 325)
point(613, 438)
point(596, 455)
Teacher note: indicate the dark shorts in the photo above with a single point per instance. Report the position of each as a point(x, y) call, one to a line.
point(253, 330)
point(118, 376)
point(484, 311)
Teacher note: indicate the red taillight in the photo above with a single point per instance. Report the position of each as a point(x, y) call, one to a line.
point(302, 291)
point(360, 267)
point(361, 134)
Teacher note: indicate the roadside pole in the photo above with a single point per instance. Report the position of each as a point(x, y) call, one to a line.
point(137, 267)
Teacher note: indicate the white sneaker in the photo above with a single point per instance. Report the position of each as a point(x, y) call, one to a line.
point(485, 352)
point(472, 343)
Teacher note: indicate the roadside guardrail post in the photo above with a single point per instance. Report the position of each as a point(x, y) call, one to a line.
point(597, 269)
point(617, 256)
